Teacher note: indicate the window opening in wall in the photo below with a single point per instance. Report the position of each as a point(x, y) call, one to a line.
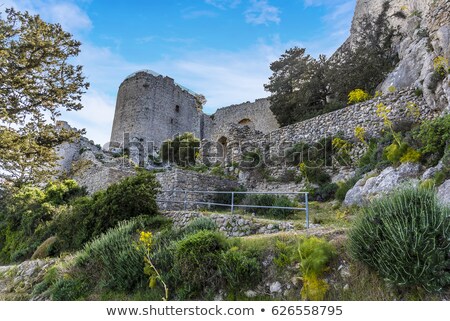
point(245, 121)
point(177, 108)
point(222, 148)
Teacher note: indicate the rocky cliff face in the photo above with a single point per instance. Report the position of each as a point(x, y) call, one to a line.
point(424, 27)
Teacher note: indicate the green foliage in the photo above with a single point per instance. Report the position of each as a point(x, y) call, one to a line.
point(115, 257)
point(285, 256)
point(201, 224)
point(315, 254)
point(316, 175)
point(297, 86)
point(405, 238)
point(358, 96)
point(269, 200)
point(392, 89)
point(344, 187)
point(251, 159)
point(197, 257)
point(240, 271)
point(225, 198)
point(90, 216)
point(218, 171)
point(342, 149)
point(37, 82)
point(427, 184)
point(63, 192)
point(26, 215)
point(402, 153)
point(181, 150)
point(325, 192)
point(433, 136)
point(366, 64)
point(69, 289)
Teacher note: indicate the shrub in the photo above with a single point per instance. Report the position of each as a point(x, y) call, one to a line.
point(357, 96)
point(69, 289)
point(269, 200)
point(181, 150)
point(91, 216)
point(344, 187)
point(239, 271)
point(225, 198)
point(441, 66)
point(392, 89)
point(342, 149)
point(402, 153)
point(197, 257)
point(315, 254)
point(325, 192)
point(131, 197)
point(115, 257)
point(315, 175)
point(433, 136)
point(282, 201)
point(201, 224)
point(62, 192)
point(405, 238)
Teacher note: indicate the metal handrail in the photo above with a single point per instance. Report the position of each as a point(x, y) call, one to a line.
point(185, 201)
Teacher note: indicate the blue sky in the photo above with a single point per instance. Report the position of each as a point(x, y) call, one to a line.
point(219, 48)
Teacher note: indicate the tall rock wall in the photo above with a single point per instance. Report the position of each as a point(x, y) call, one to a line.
point(424, 27)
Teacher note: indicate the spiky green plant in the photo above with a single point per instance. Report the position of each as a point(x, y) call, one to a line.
point(114, 254)
point(405, 236)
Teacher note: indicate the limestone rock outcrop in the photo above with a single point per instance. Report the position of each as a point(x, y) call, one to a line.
point(388, 180)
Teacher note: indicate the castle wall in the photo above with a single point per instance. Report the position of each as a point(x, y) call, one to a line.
point(257, 115)
point(342, 122)
point(153, 108)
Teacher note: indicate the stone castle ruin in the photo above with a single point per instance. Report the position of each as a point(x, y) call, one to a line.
point(152, 108)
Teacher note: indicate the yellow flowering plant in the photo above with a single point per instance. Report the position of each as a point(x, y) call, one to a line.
point(145, 245)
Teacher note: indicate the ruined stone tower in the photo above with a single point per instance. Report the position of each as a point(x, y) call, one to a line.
point(151, 108)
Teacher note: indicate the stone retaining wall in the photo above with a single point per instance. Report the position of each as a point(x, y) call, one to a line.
point(232, 225)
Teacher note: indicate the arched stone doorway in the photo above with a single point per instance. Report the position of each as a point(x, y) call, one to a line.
point(222, 149)
point(247, 122)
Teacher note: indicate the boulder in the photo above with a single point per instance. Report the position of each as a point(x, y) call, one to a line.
point(390, 178)
point(430, 172)
point(444, 193)
point(275, 287)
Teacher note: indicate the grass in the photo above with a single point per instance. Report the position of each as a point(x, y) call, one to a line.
point(325, 214)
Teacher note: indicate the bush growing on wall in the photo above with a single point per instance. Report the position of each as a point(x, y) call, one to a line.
point(182, 150)
point(358, 96)
point(405, 238)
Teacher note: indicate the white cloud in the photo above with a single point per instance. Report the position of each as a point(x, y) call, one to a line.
point(71, 17)
point(96, 116)
point(225, 78)
point(224, 4)
point(261, 12)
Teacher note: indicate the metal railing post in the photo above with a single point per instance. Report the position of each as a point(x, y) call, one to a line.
point(185, 200)
point(307, 210)
point(232, 203)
